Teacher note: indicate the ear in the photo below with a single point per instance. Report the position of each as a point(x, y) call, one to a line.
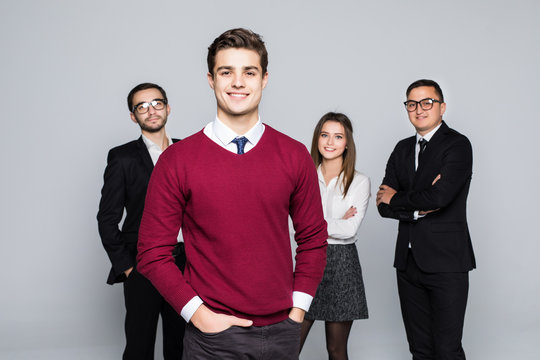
point(265, 79)
point(168, 109)
point(210, 80)
point(443, 108)
point(133, 118)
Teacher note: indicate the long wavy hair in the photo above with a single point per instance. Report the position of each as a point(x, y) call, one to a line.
point(349, 155)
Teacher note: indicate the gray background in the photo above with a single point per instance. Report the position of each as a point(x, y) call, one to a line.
point(67, 66)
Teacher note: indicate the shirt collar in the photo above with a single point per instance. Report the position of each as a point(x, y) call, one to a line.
point(429, 135)
point(226, 135)
point(150, 144)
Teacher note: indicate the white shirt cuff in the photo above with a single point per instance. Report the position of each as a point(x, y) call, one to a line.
point(189, 309)
point(417, 215)
point(301, 300)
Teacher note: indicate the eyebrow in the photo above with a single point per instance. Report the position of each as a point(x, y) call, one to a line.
point(251, 68)
point(144, 102)
point(244, 68)
point(428, 98)
point(149, 101)
point(326, 132)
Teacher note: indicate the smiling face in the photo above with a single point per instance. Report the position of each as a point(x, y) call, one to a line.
point(332, 140)
point(154, 120)
point(426, 120)
point(238, 82)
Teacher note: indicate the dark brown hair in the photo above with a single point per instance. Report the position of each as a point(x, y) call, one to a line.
point(239, 39)
point(144, 86)
point(426, 82)
point(349, 155)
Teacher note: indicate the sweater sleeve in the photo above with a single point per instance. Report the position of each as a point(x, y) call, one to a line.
point(310, 228)
point(161, 221)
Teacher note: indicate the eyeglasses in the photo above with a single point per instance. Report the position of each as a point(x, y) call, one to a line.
point(157, 104)
point(425, 104)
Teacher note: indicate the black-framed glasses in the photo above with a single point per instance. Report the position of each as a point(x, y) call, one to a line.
point(157, 104)
point(425, 104)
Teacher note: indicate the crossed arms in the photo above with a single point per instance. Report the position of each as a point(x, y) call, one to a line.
point(454, 170)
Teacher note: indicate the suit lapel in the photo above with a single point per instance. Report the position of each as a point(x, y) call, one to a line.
point(432, 147)
point(145, 155)
point(409, 159)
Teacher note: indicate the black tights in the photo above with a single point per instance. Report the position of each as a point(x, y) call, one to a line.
point(337, 335)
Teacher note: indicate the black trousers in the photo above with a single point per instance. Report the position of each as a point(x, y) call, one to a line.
point(144, 305)
point(279, 341)
point(433, 309)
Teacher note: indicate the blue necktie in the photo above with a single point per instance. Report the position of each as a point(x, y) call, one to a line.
point(240, 143)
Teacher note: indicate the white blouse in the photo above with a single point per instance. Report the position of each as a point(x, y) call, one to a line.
point(341, 231)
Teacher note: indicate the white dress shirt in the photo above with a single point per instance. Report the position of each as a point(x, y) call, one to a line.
point(427, 137)
point(153, 149)
point(344, 231)
point(222, 135)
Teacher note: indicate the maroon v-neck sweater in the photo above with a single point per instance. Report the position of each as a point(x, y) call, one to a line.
point(233, 210)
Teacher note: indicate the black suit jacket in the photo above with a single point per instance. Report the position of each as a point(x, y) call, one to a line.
point(125, 181)
point(440, 241)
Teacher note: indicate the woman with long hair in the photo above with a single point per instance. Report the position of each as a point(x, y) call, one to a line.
point(345, 193)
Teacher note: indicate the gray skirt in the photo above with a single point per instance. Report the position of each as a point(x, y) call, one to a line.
point(340, 295)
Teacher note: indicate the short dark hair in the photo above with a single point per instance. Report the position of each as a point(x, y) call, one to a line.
point(349, 155)
point(238, 38)
point(144, 86)
point(426, 82)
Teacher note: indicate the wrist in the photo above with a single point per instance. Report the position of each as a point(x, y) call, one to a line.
point(199, 315)
point(297, 314)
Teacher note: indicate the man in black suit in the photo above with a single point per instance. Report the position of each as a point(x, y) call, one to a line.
point(126, 177)
point(425, 187)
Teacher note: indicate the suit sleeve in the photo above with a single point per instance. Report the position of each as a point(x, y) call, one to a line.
point(111, 210)
point(456, 170)
point(162, 218)
point(310, 228)
point(391, 179)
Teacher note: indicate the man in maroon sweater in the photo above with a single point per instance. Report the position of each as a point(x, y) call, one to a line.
point(231, 188)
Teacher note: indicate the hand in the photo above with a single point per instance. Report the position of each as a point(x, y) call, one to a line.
point(425, 212)
point(385, 194)
point(297, 314)
point(208, 321)
point(350, 213)
point(128, 271)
